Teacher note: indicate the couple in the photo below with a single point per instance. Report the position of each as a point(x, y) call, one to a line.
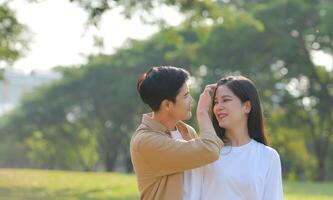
point(229, 159)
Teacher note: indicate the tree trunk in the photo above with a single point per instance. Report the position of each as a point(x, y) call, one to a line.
point(321, 149)
point(129, 165)
point(110, 159)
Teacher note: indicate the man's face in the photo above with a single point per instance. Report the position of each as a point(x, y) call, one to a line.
point(181, 109)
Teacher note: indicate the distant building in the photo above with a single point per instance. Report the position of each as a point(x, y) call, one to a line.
point(16, 83)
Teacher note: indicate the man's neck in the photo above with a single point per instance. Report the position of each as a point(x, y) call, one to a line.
point(165, 120)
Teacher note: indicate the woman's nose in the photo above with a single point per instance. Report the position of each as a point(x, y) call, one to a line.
point(220, 106)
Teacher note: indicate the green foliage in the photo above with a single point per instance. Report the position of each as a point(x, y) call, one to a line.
point(13, 38)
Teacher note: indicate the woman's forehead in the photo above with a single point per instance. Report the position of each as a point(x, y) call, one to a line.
point(223, 90)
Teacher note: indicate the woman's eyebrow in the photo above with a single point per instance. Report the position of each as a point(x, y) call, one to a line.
point(223, 96)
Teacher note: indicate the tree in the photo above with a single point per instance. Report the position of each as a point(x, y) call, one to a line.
point(13, 37)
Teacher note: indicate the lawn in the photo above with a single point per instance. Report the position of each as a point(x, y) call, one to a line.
point(63, 185)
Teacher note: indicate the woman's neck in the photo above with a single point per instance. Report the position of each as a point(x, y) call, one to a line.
point(238, 136)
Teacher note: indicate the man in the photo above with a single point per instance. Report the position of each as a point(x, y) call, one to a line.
point(164, 150)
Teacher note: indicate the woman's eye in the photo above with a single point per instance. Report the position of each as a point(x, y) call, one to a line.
point(225, 100)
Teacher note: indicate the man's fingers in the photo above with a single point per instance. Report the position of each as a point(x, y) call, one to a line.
point(210, 88)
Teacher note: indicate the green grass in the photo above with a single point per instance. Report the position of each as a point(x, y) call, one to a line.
point(63, 185)
point(308, 191)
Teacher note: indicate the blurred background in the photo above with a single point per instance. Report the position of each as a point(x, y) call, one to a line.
point(68, 97)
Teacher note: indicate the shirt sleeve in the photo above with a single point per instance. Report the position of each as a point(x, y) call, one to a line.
point(166, 155)
point(273, 182)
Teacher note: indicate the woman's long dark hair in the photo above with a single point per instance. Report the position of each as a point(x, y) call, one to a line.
point(245, 90)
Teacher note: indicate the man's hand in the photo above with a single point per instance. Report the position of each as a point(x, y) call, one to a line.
point(205, 99)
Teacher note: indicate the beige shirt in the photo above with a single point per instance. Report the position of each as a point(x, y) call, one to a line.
point(159, 161)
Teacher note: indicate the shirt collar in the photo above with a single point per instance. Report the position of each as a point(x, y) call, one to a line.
point(155, 125)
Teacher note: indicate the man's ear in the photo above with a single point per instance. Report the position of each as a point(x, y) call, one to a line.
point(247, 107)
point(165, 105)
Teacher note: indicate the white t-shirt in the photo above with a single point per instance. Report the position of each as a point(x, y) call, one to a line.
point(192, 178)
point(248, 172)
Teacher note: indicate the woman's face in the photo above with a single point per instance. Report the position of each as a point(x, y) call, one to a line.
point(228, 108)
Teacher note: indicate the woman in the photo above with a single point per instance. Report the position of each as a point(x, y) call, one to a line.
point(248, 168)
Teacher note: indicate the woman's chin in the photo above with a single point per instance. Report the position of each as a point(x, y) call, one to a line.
point(222, 124)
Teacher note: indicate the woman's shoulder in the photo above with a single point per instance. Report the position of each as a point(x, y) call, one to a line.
point(267, 151)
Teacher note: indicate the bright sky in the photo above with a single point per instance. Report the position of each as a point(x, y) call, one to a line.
point(60, 38)
point(323, 59)
point(59, 35)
